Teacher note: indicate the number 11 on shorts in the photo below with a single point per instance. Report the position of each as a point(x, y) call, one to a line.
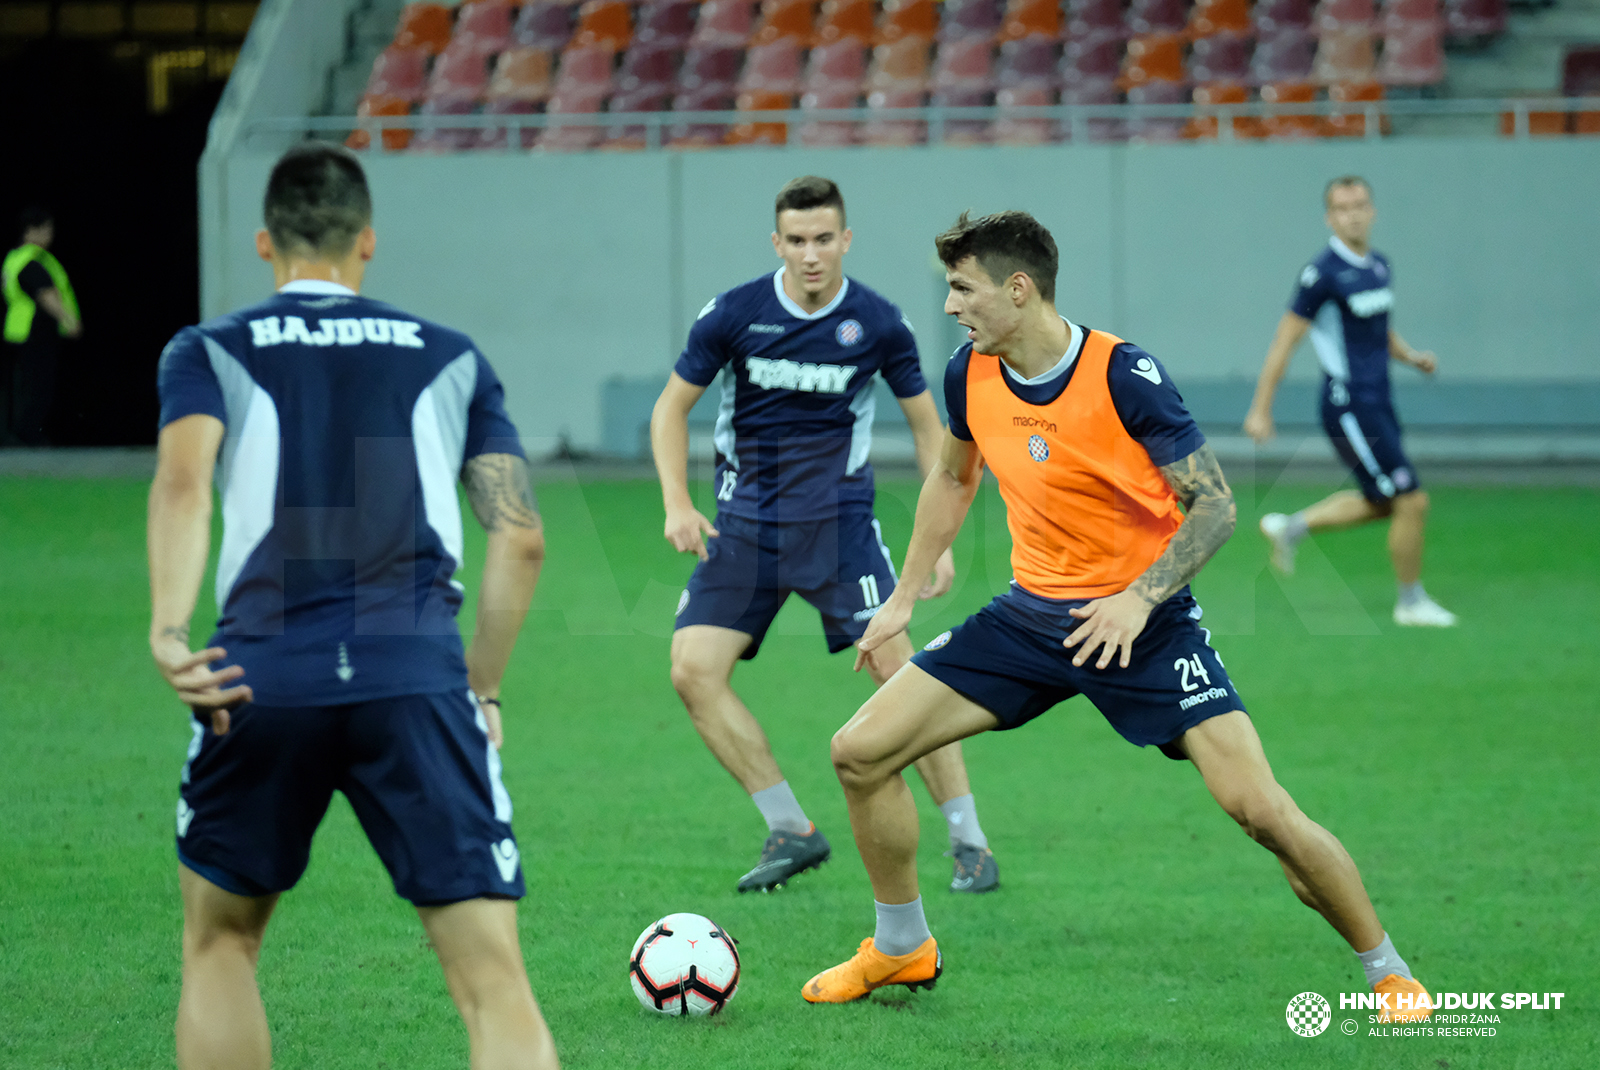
point(869, 591)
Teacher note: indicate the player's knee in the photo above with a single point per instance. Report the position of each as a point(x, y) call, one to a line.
point(1413, 503)
point(694, 678)
point(1266, 816)
point(856, 766)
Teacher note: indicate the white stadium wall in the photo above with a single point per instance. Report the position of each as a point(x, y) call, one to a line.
point(574, 270)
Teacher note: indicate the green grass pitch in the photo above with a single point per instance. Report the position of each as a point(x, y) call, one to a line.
point(1136, 926)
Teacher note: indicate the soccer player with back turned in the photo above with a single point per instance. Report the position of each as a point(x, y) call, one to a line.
point(1343, 299)
point(341, 425)
point(1114, 503)
point(797, 350)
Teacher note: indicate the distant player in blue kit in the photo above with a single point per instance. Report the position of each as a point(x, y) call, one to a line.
point(342, 426)
point(1343, 300)
point(797, 351)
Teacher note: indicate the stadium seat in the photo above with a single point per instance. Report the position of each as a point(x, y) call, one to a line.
point(753, 133)
point(483, 27)
point(498, 139)
point(445, 139)
point(562, 137)
point(965, 131)
point(832, 133)
point(1580, 72)
point(847, 20)
point(1344, 57)
point(772, 68)
point(1151, 17)
point(646, 69)
point(1024, 130)
point(1095, 19)
point(604, 22)
point(1475, 20)
point(1274, 16)
point(633, 137)
point(1031, 18)
point(425, 26)
point(668, 23)
point(1209, 126)
point(400, 73)
point(1412, 57)
point(1153, 58)
point(1220, 58)
point(544, 24)
point(1091, 61)
point(1286, 56)
point(901, 19)
point(786, 20)
point(1353, 123)
point(524, 74)
point(965, 19)
point(964, 65)
point(585, 71)
point(459, 74)
point(899, 67)
point(1540, 123)
point(724, 24)
point(717, 66)
point(372, 106)
point(836, 68)
point(706, 97)
point(1030, 61)
point(1086, 92)
point(1343, 16)
point(1290, 126)
point(1398, 16)
point(888, 131)
point(1211, 17)
point(1157, 129)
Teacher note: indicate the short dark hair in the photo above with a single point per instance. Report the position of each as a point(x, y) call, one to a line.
point(1342, 181)
point(317, 200)
point(1003, 243)
point(34, 215)
point(807, 192)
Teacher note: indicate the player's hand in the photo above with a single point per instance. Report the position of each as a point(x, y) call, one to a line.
point(890, 620)
point(189, 674)
point(491, 719)
point(684, 530)
point(1258, 425)
point(1425, 362)
point(943, 578)
point(1110, 625)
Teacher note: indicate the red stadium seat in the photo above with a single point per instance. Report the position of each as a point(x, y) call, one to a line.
point(1153, 58)
point(1398, 16)
point(772, 68)
point(633, 137)
point(608, 23)
point(1274, 16)
point(445, 139)
point(1024, 130)
point(703, 67)
point(1093, 92)
point(1580, 72)
point(886, 131)
point(964, 19)
point(667, 23)
point(1211, 17)
point(425, 26)
point(1031, 18)
point(829, 134)
point(917, 19)
point(965, 131)
point(372, 106)
point(544, 24)
point(586, 71)
point(793, 20)
point(1091, 61)
point(1150, 17)
point(964, 65)
point(400, 73)
point(1157, 129)
point(1413, 57)
point(499, 139)
point(724, 23)
point(1095, 19)
point(1353, 123)
point(459, 74)
point(1286, 56)
point(752, 133)
point(1471, 20)
point(564, 137)
point(836, 68)
point(483, 27)
point(1343, 16)
point(1031, 61)
point(524, 74)
point(1344, 57)
point(847, 20)
point(899, 67)
point(1290, 126)
point(706, 97)
point(646, 69)
point(1220, 58)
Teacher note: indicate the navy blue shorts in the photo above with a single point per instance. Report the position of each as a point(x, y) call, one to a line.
point(1367, 437)
point(840, 566)
point(1008, 658)
point(419, 771)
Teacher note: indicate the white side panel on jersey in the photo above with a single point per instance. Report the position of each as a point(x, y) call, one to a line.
point(1358, 442)
point(722, 435)
point(865, 406)
point(439, 435)
point(247, 478)
point(1327, 338)
point(497, 787)
point(877, 531)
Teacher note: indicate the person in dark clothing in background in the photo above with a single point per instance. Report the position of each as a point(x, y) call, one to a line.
point(33, 282)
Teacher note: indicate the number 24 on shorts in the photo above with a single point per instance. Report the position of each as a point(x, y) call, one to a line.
point(1192, 664)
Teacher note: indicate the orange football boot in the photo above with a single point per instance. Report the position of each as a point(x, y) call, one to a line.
point(1392, 986)
point(871, 968)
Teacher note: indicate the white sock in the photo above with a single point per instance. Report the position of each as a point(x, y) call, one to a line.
point(901, 927)
point(1383, 960)
point(1296, 529)
point(781, 809)
point(961, 814)
point(1412, 593)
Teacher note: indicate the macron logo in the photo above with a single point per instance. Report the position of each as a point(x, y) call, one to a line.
point(505, 858)
point(345, 332)
point(788, 375)
point(1146, 369)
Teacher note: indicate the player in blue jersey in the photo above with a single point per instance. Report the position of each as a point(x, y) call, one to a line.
point(341, 426)
point(797, 351)
point(1343, 301)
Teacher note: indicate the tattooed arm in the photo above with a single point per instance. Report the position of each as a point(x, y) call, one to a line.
point(502, 499)
point(1111, 624)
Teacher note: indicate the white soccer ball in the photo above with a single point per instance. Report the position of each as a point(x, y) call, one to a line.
point(684, 964)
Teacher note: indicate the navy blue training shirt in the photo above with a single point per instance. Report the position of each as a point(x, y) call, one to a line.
point(1151, 409)
point(1347, 299)
point(795, 424)
point(348, 422)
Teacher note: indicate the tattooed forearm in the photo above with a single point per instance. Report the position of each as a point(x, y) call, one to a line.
point(1209, 516)
point(500, 492)
point(175, 632)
